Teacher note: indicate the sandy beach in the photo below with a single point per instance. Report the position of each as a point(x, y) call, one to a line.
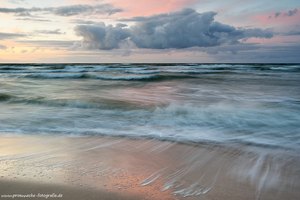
point(31, 190)
point(120, 168)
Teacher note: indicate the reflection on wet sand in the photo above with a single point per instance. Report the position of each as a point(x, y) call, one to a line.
point(150, 168)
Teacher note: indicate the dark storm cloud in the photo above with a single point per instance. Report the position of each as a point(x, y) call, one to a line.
point(65, 10)
point(4, 36)
point(177, 30)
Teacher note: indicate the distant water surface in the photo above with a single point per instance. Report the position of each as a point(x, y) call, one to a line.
point(221, 103)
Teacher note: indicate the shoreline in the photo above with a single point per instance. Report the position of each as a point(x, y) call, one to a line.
point(234, 145)
point(147, 168)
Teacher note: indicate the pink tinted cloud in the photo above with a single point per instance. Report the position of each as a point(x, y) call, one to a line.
point(280, 22)
point(134, 8)
point(277, 19)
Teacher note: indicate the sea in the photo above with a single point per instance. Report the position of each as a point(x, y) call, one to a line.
point(241, 104)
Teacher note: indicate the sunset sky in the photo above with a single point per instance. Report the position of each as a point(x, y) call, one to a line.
point(87, 31)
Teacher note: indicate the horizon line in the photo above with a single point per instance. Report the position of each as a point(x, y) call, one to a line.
point(161, 63)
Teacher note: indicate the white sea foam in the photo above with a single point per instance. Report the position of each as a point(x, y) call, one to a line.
point(163, 102)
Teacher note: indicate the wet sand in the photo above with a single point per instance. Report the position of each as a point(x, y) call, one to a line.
point(120, 168)
point(42, 191)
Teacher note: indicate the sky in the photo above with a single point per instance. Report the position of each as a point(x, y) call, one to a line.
point(156, 31)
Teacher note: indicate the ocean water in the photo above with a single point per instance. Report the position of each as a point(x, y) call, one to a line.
point(252, 104)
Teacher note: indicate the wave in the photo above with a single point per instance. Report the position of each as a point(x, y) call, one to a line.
point(48, 102)
point(156, 77)
point(57, 76)
point(140, 68)
point(100, 104)
point(6, 97)
point(12, 68)
point(233, 103)
point(174, 122)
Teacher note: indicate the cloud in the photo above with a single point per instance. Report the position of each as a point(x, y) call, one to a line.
point(84, 9)
point(149, 7)
point(2, 47)
point(82, 21)
point(291, 12)
point(65, 10)
point(277, 14)
point(51, 32)
point(293, 33)
point(230, 49)
point(49, 43)
point(19, 10)
point(177, 30)
point(16, 1)
point(263, 54)
point(290, 31)
point(36, 19)
point(288, 13)
point(4, 36)
point(101, 36)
